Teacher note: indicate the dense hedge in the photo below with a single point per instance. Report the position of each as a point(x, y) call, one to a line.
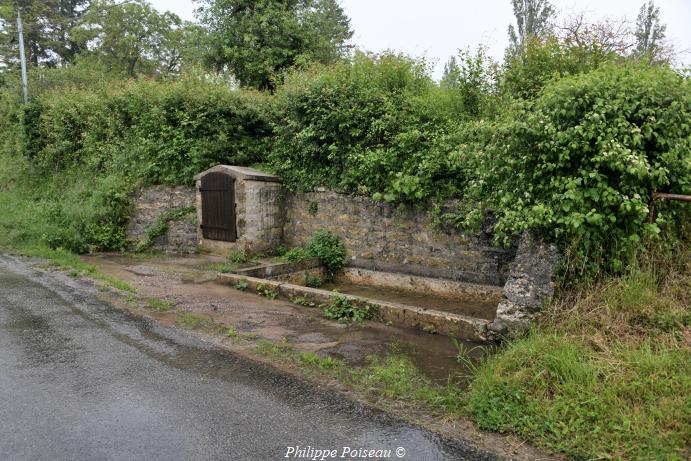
point(373, 125)
point(75, 153)
point(577, 162)
point(160, 132)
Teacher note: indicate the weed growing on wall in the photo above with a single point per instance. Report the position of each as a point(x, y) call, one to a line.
point(313, 281)
point(238, 256)
point(241, 285)
point(160, 226)
point(303, 301)
point(267, 291)
point(344, 310)
point(329, 249)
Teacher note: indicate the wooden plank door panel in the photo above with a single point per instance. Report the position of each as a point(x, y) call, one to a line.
point(218, 207)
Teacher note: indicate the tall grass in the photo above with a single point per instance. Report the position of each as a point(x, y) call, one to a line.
point(607, 373)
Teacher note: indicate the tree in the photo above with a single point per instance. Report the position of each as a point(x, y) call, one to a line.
point(449, 78)
point(132, 37)
point(474, 76)
point(257, 39)
point(47, 26)
point(650, 35)
point(532, 20)
point(604, 37)
point(69, 14)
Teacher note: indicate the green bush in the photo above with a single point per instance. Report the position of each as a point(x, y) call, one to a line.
point(358, 126)
point(344, 310)
point(77, 151)
point(160, 132)
point(295, 255)
point(65, 211)
point(580, 163)
point(267, 291)
point(548, 59)
point(329, 249)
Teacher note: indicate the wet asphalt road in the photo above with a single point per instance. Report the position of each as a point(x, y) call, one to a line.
point(80, 379)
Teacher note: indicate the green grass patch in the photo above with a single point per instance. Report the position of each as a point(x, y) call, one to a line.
point(317, 361)
point(232, 332)
point(117, 283)
point(626, 404)
point(189, 319)
point(266, 347)
point(606, 375)
point(161, 305)
point(396, 377)
point(224, 268)
point(71, 262)
point(59, 257)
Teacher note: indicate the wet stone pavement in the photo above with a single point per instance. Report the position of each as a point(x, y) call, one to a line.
point(80, 379)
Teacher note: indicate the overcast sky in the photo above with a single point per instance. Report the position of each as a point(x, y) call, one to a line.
point(436, 29)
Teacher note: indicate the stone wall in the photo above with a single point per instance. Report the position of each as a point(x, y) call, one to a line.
point(152, 202)
point(529, 287)
point(378, 237)
point(262, 221)
point(383, 237)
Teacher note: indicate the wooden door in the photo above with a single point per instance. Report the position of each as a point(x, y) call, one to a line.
point(218, 207)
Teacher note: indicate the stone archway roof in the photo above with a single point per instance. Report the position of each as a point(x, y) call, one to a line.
point(240, 172)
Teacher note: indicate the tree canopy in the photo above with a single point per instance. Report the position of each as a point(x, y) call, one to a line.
point(532, 20)
point(47, 25)
point(256, 40)
point(132, 37)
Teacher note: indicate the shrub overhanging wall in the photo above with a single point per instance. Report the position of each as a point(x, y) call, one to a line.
point(578, 163)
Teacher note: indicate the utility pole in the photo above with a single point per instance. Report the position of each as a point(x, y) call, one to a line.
point(22, 57)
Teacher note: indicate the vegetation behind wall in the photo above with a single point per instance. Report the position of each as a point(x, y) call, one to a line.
point(564, 140)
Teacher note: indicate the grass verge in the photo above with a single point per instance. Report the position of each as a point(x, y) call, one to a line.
point(605, 375)
point(71, 262)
